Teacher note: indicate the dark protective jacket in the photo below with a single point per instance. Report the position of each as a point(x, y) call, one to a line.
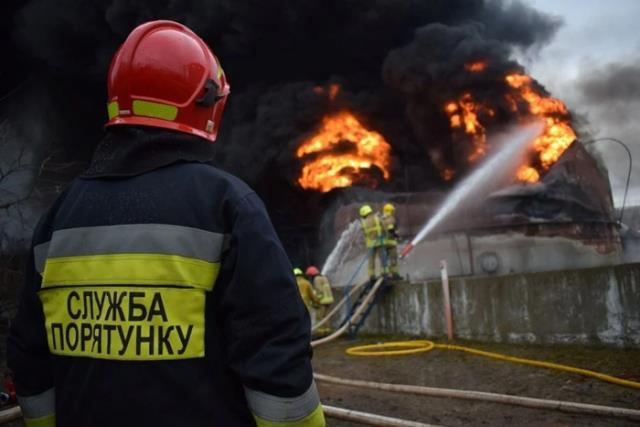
point(158, 294)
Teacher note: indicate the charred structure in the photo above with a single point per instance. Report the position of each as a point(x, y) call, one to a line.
point(563, 222)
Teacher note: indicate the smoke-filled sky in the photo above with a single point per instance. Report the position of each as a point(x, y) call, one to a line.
point(593, 64)
point(397, 61)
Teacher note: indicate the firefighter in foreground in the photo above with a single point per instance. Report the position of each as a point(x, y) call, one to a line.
point(390, 239)
point(158, 293)
point(322, 287)
point(374, 239)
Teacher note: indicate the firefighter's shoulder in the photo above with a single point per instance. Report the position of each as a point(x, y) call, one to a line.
point(217, 179)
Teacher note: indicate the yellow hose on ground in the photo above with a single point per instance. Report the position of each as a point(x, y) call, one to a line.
point(421, 346)
point(414, 346)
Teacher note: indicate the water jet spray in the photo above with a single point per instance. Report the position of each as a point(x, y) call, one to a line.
point(514, 144)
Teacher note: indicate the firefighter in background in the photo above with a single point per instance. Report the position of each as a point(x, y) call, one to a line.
point(157, 291)
point(374, 239)
point(308, 294)
point(323, 290)
point(390, 238)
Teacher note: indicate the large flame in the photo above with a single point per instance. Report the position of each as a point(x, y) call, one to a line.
point(557, 134)
point(469, 118)
point(463, 116)
point(341, 153)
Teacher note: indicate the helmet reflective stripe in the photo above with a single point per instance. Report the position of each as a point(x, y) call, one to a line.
point(155, 109)
point(146, 109)
point(113, 109)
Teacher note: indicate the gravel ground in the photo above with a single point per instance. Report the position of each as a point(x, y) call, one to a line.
point(451, 369)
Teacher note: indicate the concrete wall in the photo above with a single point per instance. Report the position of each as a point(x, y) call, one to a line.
point(589, 306)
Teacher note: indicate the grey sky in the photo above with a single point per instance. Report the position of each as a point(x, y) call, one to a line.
point(598, 38)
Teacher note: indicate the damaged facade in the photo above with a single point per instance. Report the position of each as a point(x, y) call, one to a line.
point(566, 221)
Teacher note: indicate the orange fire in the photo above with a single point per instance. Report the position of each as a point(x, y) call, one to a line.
point(476, 66)
point(342, 152)
point(447, 174)
point(528, 174)
point(468, 118)
point(557, 134)
point(332, 90)
point(463, 114)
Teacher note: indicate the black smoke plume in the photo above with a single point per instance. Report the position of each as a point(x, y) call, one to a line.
point(396, 62)
point(611, 95)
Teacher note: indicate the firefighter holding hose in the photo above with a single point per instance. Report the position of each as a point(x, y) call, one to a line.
point(157, 292)
point(373, 233)
point(388, 220)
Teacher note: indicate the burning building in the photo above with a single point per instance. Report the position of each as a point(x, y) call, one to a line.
point(563, 222)
point(331, 102)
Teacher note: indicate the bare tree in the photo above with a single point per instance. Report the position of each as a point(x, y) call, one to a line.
point(29, 181)
point(16, 188)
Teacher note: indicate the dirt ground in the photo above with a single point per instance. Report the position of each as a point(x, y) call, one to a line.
point(452, 369)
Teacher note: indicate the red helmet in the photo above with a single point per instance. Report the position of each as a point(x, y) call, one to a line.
point(312, 271)
point(165, 76)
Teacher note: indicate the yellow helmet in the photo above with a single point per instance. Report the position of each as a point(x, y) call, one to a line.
point(297, 272)
point(365, 210)
point(388, 209)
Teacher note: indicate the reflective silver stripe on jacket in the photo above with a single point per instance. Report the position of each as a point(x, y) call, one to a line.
point(132, 238)
point(282, 409)
point(39, 405)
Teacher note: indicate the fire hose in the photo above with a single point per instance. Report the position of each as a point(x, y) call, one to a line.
point(15, 413)
point(529, 402)
point(420, 346)
point(338, 306)
point(11, 414)
point(346, 414)
point(365, 303)
point(369, 419)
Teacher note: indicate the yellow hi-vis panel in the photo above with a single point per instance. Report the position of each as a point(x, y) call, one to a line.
point(46, 421)
point(155, 109)
point(125, 323)
point(130, 269)
point(315, 419)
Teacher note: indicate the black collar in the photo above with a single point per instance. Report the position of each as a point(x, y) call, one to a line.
point(134, 150)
